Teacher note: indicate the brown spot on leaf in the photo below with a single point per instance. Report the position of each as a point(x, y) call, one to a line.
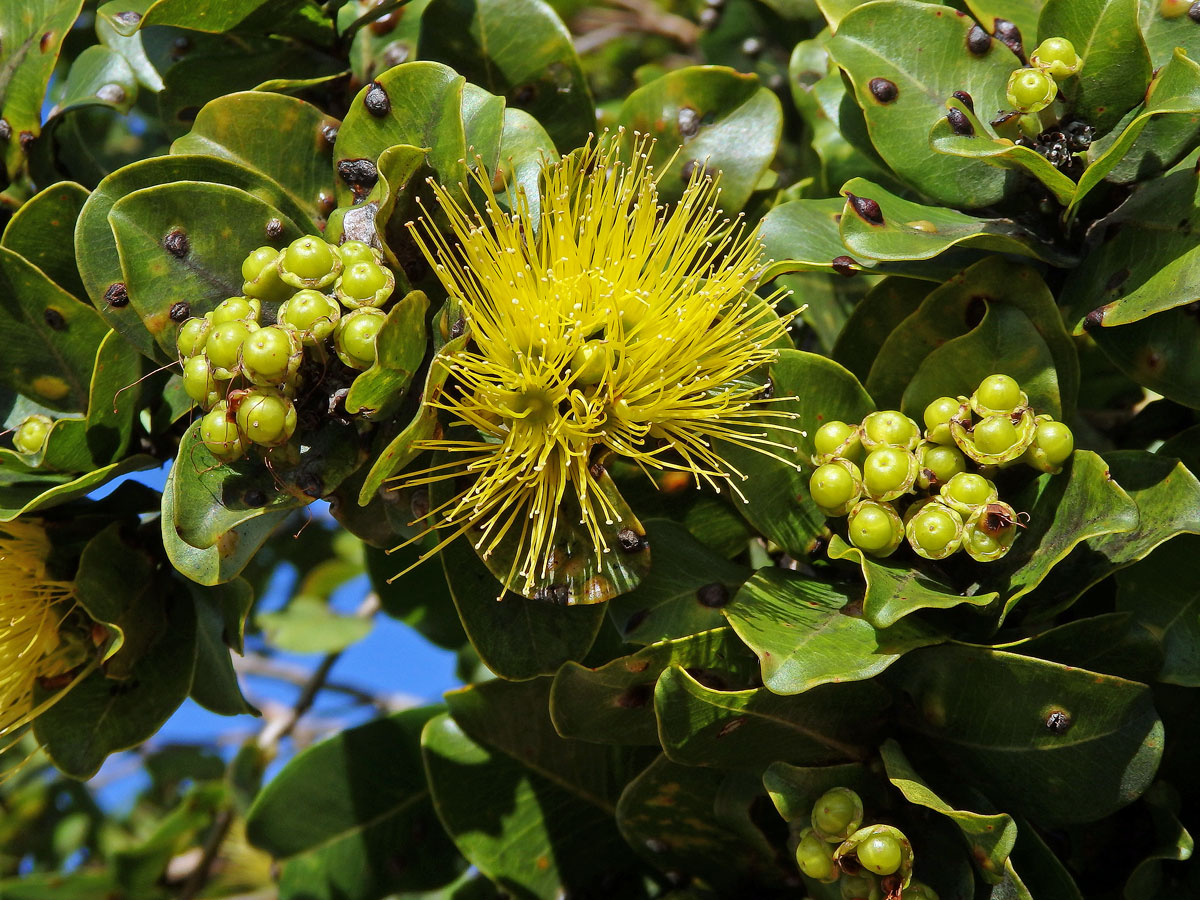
point(635, 697)
point(959, 123)
point(377, 101)
point(176, 243)
point(713, 596)
point(630, 541)
point(180, 311)
point(866, 209)
point(54, 319)
point(46, 40)
point(1095, 318)
point(274, 229)
point(731, 726)
point(979, 41)
point(688, 121)
point(883, 90)
point(1058, 722)
point(844, 265)
point(117, 295)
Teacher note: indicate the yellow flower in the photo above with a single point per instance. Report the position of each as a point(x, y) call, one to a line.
point(600, 323)
point(33, 609)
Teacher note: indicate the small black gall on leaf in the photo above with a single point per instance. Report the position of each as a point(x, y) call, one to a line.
point(180, 311)
point(26, 139)
point(713, 596)
point(1094, 319)
point(1194, 11)
point(689, 168)
point(630, 541)
point(255, 497)
point(129, 17)
point(689, 122)
point(117, 295)
point(844, 265)
point(376, 100)
point(960, 123)
point(866, 208)
point(274, 229)
point(979, 41)
point(523, 95)
point(635, 697)
point(54, 318)
point(176, 243)
point(5, 130)
point(883, 90)
point(1058, 721)
point(329, 133)
point(636, 620)
point(1009, 34)
point(965, 99)
point(459, 326)
point(360, 175)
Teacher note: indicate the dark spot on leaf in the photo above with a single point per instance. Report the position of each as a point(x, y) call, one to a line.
point(180, 311)
point(1154, 360)
point(395, 53)
point(844, 265)
point(419, 503)
point(883, 90)
point(310, 485)
point(1094, 319)
point(47, 39)
point(180, 47)
point(976, 309)
point(768, 390)
point(117, 295)
point(1116, 279)
point(255, 497)
point(866, 208)
point(689, 168)
point(554, 593)
point(1009, 34)
point(26, 139)
point(523, 95)
point(635, 620)
point(274, 229)
point(329, 133)
point(965, 99)
point(188, 114)
point(128, 17)
point(459, 326)
point(359, 174)
point(1194, 11)
point(111, 93)
point(979, 41)
point(731, 726)
point(387, 22)
point(708, 678)
point(713, 596)
point(1004, 116)
point(5, 130)
point(959, 123)
point(630, 541)
point(376, 100)
point(636, 696)
point(54, 318)
point(325, 202)
point(1058, 721)
point(689, 121)
point(176, 243)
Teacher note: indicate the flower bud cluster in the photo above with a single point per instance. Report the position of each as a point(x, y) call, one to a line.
point(866, 471)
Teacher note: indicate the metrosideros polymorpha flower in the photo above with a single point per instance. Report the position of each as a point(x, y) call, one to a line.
point(600, 323)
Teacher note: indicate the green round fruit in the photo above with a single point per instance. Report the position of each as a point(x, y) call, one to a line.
point(309, 262)
point(995, 435)
point(937, 418)
point(837, 814)
point(199, 383)
point(918, 890)
point(814, 857)
point(999, 393)
point(966, 489)
point(880, 853)
point(1031, 90)
point(833, 486)
point(934, 531)
point(266, 417)
point(353, 252)
point(938, 464)
point(192, 335)
point(1055, 441)
point(31, 434)
point(1057, 56)
point(860, 887)
point(270, 355)
point(874, 528)
point(354, 338)
point(835, 439)
point(888, 473)
point(220, 436)
point(224, 345)
point(312, 314)
point(365, 284)
point(236, 309)
point(889, 428)
point(260, 273)
point(258, 262)
point(990, 531)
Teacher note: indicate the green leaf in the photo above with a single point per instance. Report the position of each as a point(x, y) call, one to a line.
point(519, 49)
point(113, 33)
point(878, 314)
point(914, 231)
point(982, 144)
point(1101, 758)
point(1175, 91)
point(1022, 13)
point(515, 637)
point(101, 715)
point(29, 493)
point(351, 817)
point(717, 118)
point(213, 16)
point(221, 225)
point(41, 231)
point(895, 589)
point(33, 35)
point(699, 726)
point(683, 591)
point(1163, 35)
point(876, 41)
point(96, 245)
point(548, 803)
point(1173, 843)
point(1167, 606)
point(52, 337)
point(281, 138)
point(1158, 353)
point(399, 350)
point(816, 390)
point(1112, 643)
point(989, 838)
point(614, 703)
point(806, 633)
point(220, 616)
point(98, 76)
point(308, 625)
point(1116, 64)
point(671, 816)
point(795, 789)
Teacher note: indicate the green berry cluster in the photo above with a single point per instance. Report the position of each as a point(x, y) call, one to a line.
point(864, 471)
point(246, 374)
point(1032, 89)
point(30, 436)
point(868, 862)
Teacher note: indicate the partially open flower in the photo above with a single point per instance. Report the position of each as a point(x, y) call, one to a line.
point(601, 323)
